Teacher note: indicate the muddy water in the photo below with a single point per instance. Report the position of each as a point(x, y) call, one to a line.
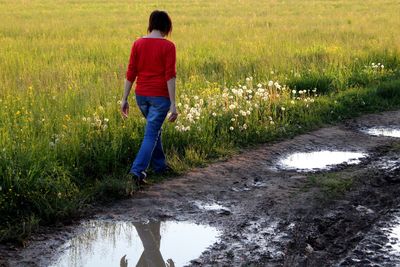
point(136, 244)
point(381, 247)
point(383, 131)
point(319, 160)
point(388, 164)
point(212, 206)
point(208, 206)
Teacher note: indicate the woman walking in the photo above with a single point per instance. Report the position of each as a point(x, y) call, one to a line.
point(152, 64)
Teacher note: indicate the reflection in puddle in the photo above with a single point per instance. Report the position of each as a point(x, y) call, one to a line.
point(382, 131)
point(152, 244)
point(320, 159)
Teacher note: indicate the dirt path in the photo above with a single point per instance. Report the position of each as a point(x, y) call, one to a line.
point(275, 217)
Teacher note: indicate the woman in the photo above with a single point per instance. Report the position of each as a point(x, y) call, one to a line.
point(153, 64)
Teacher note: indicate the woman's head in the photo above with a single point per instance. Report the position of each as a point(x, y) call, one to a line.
point(159, 20)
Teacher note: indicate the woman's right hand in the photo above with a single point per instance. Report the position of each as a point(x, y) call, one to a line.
point(125, 108)
point(174, 114)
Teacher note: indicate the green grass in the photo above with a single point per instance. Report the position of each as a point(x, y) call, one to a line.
point(332, 185)
point(63, 143)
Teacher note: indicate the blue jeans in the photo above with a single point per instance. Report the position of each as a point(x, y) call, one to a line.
point(154, 109)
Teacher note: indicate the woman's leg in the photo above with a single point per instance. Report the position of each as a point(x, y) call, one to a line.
point(157, 111)
point(158, 161)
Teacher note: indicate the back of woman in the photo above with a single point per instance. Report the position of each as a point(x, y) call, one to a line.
point(152, 64)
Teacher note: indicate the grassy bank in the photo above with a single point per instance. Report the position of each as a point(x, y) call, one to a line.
point(284, 69)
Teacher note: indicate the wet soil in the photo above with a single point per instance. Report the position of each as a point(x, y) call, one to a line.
point(269, 216)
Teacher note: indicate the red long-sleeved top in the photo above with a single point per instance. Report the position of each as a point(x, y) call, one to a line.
point(152, 63)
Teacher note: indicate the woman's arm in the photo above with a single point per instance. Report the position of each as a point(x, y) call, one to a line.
point(124, 103)
point(171, 91)
point(170, 77)
point(131, 74)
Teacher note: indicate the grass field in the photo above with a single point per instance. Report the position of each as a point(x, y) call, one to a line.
point(292, 65)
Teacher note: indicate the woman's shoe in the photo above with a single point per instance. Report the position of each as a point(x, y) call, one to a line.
point(166, 171)
point(140, 180)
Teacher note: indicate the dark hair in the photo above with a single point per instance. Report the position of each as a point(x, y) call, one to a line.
point(159, 20)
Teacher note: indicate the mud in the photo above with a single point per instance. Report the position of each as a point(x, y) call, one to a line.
point(266, 216)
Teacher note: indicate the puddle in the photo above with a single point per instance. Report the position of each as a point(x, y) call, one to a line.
point(320, 160)
point(259, 184)
point(243, 189)
point(387, 164)
point(213, 207)
point(382, 131)
point(209, 206)
point(105, 243)
point(380, 247)
point(394, 237)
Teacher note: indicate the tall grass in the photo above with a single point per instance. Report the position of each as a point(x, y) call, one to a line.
point(63, 142)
